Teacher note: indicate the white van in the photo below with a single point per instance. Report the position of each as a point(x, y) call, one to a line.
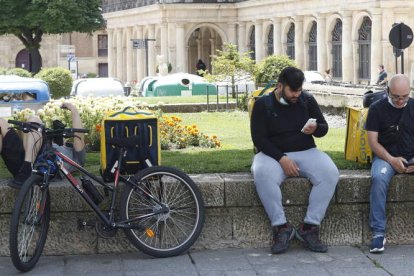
point(97, 87)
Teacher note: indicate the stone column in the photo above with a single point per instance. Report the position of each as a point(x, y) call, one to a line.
point(180, 47)
point(277, 36)
point(119, 57)
point(258, 38)
point(242, 37)
point(164, 41)
point(376, 45)
point(151, 51)
point(347, 49)
point(231, 31)
point(111, 53)
point(198, 42)
point(129, 60)
point(140, 57)
point(321, 43)
point(213, 45)
point(299, 45)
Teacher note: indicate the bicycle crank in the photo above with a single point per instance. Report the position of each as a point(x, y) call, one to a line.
point(105, 231)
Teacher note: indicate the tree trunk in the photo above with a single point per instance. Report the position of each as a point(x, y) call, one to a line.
point(35, 60)
point(31, 39)
point(233, 87)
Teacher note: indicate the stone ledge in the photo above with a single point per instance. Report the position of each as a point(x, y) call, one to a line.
point(234, 214)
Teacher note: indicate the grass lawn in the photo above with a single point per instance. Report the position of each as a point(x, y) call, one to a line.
point(235, 155)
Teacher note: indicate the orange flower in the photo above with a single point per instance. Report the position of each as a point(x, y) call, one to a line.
point(98, 128)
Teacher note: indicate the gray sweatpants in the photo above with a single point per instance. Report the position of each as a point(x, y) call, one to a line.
point(313, 164)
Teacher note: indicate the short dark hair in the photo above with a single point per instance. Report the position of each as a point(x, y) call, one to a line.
point(293, 77)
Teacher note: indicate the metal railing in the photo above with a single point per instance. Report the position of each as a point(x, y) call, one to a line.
point(214, 99)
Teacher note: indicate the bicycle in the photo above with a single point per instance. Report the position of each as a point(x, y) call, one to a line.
point(161, 208)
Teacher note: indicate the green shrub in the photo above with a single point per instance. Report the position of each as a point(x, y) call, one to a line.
point(19, 72)
point(269, 68)
point(91, 75)
point(243, 101)
point(59, 80)
point(3, 71)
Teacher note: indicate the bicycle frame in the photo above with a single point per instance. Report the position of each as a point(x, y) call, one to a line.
point(127, 224)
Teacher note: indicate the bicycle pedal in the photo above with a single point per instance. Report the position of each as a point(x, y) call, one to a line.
point(83, 224)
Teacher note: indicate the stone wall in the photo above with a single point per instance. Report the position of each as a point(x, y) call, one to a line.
point(234, 214)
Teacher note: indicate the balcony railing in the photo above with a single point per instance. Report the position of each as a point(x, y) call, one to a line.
point(118, 5)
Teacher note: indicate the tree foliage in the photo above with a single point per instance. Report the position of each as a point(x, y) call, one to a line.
point(270, 67)
point(232, 65)
point(28, 20)
point(58, 79)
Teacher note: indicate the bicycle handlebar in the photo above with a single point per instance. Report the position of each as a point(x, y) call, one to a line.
point(29, 126)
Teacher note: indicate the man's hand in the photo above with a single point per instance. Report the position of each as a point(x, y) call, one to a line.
point(289, 166)
point(398, 164)
point(310, 129)
point(409, 169)
point(69, 106)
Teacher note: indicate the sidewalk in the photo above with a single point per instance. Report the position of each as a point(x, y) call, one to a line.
point(346, 260)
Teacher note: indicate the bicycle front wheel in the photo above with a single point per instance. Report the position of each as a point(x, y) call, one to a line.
point(169, 233)
point(29, 224)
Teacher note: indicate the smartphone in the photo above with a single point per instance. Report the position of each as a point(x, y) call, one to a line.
point(409, 163)
point(311, 121)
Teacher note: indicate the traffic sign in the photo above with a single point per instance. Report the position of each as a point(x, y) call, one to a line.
point(138, 43)
point(401, 36)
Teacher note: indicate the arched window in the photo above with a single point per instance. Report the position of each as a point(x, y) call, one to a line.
point(252, 43)
point(290, 43)
point(313, 51)
point(364, 41)
point(270, 41)
point(337, 49)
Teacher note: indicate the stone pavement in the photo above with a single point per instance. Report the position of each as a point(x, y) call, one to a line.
point(340, 260)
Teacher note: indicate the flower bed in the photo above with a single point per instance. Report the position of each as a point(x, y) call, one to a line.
point(92, 110)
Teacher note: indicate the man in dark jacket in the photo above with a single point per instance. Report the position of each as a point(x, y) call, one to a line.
point(287, 149)
point(390, 152)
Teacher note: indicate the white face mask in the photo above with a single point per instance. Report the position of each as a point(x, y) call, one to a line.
point(392, 103)
point(283, 101)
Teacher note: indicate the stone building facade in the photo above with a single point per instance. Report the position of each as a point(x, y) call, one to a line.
point(349, 37)
point(90, 52)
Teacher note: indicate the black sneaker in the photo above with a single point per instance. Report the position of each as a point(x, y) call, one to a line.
point(377, 244)
point(281, 238)
point(311, 239)
point(24, 173)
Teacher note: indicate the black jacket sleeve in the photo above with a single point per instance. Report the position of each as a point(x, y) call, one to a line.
point(315, 112)
point(259, 130)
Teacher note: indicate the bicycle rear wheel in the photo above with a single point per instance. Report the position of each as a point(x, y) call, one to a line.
point(174, 231)
point(29, 224)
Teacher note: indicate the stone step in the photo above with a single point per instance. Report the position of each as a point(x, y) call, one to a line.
point(234, 214)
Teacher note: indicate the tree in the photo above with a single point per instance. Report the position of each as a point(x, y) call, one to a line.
point(28, 20)
point(270, 67)
point(229, 63)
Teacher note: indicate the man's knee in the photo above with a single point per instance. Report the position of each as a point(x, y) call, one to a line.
point(34, 119)
point(4, 126)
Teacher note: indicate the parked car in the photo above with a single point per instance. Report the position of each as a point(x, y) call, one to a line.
point(97, 87)
point(17, 93)
point(314, 77)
